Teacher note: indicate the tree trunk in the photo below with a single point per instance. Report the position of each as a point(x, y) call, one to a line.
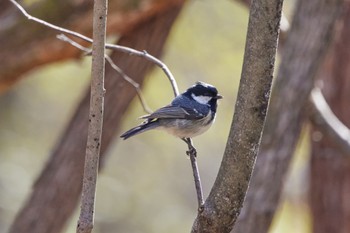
point(330, 166)
point(57, 190)
point(224, 203)
point(307, 42)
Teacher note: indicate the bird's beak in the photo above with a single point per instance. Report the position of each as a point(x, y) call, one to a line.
point(219, 97)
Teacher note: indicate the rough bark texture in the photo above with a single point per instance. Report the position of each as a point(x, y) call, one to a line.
point(24, 44)
point(330, 166)
point(58, 187)
point(307, 42)
point(283, 24)
point(225, 200)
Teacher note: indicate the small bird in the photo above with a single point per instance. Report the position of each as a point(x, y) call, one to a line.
point(188, 115)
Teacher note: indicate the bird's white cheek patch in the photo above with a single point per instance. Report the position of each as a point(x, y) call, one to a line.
point(201, 99)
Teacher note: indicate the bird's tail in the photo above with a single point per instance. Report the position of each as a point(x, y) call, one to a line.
point(140, 129)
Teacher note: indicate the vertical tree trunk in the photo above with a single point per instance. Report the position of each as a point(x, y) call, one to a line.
point(224, 203)
point(330, 166)
point(57, 190)
point(307, 42)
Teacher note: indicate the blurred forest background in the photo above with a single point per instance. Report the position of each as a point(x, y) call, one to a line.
point(146, 183)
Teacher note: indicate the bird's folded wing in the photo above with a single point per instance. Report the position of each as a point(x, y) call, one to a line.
point(174, 112)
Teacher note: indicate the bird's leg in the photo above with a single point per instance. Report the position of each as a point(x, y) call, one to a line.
point(191, 149)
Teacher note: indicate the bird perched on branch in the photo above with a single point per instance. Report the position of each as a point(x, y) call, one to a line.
point(188, 115)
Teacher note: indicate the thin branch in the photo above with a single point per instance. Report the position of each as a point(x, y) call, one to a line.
point(192, 153)
point(197, 180)
point(94, 137)
point(323, 116)
point(115, 67)
point(65, 38)
point(128, 50)
point(132, 82)
point(52, 26)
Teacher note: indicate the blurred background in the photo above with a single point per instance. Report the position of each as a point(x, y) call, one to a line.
point(146, 184)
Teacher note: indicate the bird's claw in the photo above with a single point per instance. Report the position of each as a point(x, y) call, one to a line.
point(191, 151)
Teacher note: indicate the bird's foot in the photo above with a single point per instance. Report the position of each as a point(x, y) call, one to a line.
point(191, 149)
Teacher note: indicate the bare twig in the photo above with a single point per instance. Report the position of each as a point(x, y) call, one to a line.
point(65, 38)
point(132, 82)
point(124, 49)
point(197, 180)
point(192, 153)
point(86, 218)
point(322, 115)
point(115, 67)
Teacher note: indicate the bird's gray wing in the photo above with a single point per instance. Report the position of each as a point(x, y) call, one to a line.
point(174, 112)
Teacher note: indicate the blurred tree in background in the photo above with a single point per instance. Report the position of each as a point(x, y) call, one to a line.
point(144, 186)
point(330, 162)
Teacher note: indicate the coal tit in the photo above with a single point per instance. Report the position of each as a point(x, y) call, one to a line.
point(189, 114)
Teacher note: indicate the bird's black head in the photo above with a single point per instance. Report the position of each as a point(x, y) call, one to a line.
point(204, 93)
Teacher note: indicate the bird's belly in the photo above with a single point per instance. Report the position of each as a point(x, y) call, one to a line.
point(187, 128)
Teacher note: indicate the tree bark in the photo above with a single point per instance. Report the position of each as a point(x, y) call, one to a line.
point(225, 200)
point(96, 111)
point(24, 44)
point(330, 166)
point(307, 42)
point(58, 187)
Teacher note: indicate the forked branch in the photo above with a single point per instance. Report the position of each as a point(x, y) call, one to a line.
point(87, 51)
